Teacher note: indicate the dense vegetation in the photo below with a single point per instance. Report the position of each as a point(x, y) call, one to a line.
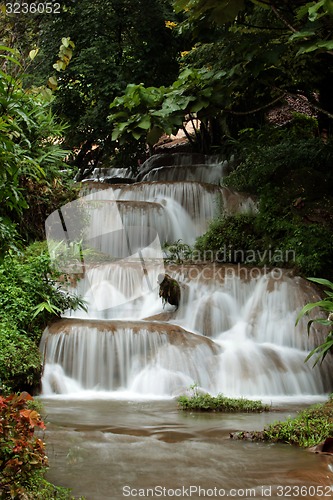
point(32, 185)
point(23, 459)
point(198, 401)
point(291, 179)
point(29, 298)
point(120, 80)
point(309, 428)
point(247, 58)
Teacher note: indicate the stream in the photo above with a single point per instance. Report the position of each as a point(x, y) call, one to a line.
point(112, 449)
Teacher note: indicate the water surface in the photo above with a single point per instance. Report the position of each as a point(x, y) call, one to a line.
point(114, 449)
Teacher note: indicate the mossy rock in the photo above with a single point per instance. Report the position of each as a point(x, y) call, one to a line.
point(169, 290)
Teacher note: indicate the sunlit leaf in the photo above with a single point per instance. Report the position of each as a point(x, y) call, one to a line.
point(33, 53)
point(52, 83)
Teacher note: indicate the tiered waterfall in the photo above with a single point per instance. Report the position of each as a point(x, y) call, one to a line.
point(234, 330)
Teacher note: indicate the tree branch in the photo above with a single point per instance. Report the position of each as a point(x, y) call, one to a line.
point(252, 111)
point(188, 136)
point(239, 23)
point(285, 22)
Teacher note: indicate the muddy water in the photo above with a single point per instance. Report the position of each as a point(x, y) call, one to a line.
point(114, 449)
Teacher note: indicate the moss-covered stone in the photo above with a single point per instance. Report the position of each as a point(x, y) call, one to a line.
point(169, 290)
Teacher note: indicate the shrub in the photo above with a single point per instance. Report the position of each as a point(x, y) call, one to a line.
point(23, 460)
point(293, 180)
point(29, 298)
point(220, 403)
point(269, 161)
point(226, 235)
point(29, 293)
point(20, 360)
point(23, 454)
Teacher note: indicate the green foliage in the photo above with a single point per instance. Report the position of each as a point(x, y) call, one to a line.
point(27, 139)
point(132, 114)
point(31, 154)
point(308, 21)
point(213, 10)
point(30, 296)
point(229, 93)
point(228, 235)
point(276, 47)
point(20, 361)
point(294, 225)
point(326, 306)
point(28, 283)
point(114, 45)
point(220, 403)
point(169, 290)
point(312, 247)
point(150, 112)
point(65, 55)
point(9, 237)
point(281, 157)
point(309, 428)
point(177, 252)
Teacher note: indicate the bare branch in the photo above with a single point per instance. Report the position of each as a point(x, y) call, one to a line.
point(285, 21)
point(252, 111)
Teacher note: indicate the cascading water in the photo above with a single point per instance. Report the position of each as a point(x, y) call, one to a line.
point(233, 332)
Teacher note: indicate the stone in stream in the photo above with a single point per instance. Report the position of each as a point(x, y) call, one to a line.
point(169, 290)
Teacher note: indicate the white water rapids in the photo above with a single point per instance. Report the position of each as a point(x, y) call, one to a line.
point(234, 331)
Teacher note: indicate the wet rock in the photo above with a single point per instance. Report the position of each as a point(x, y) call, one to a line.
point(323, 447)
point(169, 290)
point(248, 435)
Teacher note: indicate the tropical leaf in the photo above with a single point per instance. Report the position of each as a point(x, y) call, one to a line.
point(307, 308)
point(322, 281)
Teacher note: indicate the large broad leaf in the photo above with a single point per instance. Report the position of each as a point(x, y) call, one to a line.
point(219, 11)
point(199, 105)
point(115, 134)
point(313, 10)
point(153, 135)
point(144, 122)
point(307, 308)
point(322, 281)
point(52, 83)
point(319, 45)
point(6, 77)
point(136, 134)
point(121, 126)
point(323, 349)
point(301, 34)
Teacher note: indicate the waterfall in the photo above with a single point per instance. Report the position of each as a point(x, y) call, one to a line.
point(233, 332)
point(147, 357)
